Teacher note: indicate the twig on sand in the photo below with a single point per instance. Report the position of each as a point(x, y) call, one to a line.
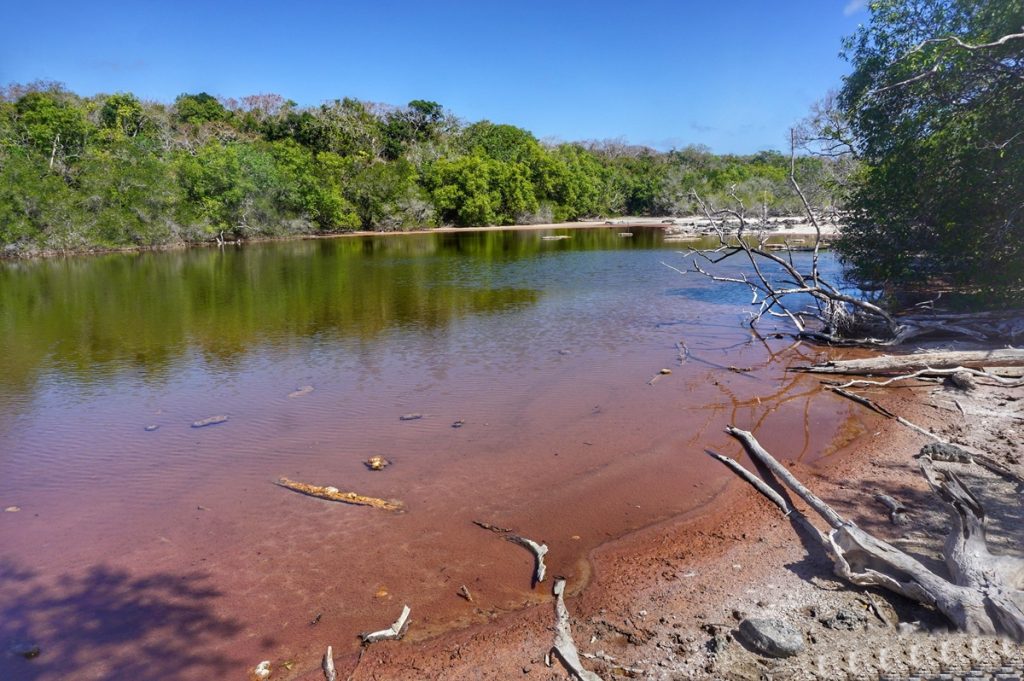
point(684, 352)
point(393, 633)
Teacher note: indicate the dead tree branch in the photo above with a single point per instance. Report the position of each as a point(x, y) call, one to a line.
point(564, 646)
point(978, 596)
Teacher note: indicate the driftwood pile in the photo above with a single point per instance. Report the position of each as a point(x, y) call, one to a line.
point(982, 593)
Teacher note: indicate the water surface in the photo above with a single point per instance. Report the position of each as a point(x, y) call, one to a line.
point(171, 553)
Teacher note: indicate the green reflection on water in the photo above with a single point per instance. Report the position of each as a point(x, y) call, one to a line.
point(93, 316)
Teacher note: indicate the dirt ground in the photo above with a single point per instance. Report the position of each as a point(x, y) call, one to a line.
point(664, 603)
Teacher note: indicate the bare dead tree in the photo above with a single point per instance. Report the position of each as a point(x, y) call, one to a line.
point(834, 317)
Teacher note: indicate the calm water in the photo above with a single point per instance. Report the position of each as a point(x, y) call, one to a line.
point(170, 554)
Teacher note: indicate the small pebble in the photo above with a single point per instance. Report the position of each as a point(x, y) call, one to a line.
point(410, 417)
point(458, 424)
point(151, 427)
point(12, 509)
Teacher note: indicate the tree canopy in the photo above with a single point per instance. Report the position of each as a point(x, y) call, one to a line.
point(112, 170)
point(934, 105)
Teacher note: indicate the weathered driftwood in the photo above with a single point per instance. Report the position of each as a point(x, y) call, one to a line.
point(890, 364)
point(393, 633)
point(334, 494)
point(982, 591)
point(538, 550)
point(328, 665)
point(564, 646)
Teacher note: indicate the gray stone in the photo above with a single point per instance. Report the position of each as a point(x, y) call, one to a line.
point(941, 451)
point(845, 619)
point(771, 637)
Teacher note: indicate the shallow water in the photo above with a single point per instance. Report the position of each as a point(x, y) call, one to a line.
point(171, 554)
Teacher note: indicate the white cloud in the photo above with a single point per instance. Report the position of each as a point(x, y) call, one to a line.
point(854, 6)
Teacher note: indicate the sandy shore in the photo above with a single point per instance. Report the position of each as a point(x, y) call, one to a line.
point(664, 602)
point(694, 224)
point(794, 227)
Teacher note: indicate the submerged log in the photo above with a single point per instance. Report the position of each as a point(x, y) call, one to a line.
point(982, 592)
point(334, 494)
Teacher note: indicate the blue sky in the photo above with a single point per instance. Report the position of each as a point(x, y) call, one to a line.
point(731, 74)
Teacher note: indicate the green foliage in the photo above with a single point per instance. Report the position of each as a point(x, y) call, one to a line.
point(938, 128)
point(49, 123)
point(123, 116)
point(200, 108)
point(113, 171)
point(477, 190)
point(420, 121)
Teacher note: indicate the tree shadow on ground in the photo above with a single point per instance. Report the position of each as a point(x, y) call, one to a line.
point(108, 623)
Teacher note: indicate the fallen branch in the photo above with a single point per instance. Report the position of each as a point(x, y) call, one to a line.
point(564, 646)
point(888, 364)
point(538, 550)
point(874, 406)
point(393, 633)
point(860, 399)
point(929, 373)
point(334, 494)
point(977, 597)
point(770, 494)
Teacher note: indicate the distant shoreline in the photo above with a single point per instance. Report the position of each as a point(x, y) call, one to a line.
point(673, 224)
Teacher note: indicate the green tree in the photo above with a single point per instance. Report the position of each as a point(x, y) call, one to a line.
point(934, 102)
point(50, 123)
point(200, 108)
point(123, 116)
point(477, 190)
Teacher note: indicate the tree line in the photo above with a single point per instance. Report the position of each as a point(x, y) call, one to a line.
point(112, 171)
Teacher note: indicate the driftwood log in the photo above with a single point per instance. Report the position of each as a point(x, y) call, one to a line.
point(335, 494)
point(898, 364)
point(564, 646)
point(982, 594)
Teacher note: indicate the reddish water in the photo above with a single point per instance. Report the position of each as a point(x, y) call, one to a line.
point(170, 554)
